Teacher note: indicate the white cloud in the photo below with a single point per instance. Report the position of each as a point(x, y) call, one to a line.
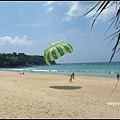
point(50, 9)
point(107, 13)
point(80, 8)
point(76, 9)
point(16, 41)
point(67, 18)
point(48, 3)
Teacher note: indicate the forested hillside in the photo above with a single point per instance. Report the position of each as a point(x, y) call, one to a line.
point(20, 59)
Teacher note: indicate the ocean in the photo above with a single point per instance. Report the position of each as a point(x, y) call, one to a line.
point(94, 69)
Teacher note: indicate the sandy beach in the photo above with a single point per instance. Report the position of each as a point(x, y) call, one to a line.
point(52, 96)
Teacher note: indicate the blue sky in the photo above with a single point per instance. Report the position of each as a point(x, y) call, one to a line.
point(28, 27)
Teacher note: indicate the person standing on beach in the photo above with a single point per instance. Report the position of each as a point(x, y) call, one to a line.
point(71, 77)
point(118, 75)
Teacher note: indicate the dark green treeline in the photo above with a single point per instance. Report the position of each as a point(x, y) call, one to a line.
point(8, 60)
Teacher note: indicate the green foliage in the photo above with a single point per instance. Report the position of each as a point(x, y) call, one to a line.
point(101, 6)
point(20, 59)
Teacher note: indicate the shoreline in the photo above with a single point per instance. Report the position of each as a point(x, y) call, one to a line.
point(52, 96)
point(55, 72)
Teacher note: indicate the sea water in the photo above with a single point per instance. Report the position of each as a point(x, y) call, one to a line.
point(94, 69)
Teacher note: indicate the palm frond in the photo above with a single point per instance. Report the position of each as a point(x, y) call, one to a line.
point(115, 47)
point(115, 86)
point(92, 9)
point(113, 37)
point(112, 4)
point(110, 24)
point(102, 7)
point(113, 34)
point(115, 21)
point(117, 50)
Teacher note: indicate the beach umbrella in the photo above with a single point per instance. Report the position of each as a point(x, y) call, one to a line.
point(56, 50)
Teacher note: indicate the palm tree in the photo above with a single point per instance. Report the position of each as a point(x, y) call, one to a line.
point(101, 6)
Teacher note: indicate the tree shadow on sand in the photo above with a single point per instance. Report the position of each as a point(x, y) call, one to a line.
point(66, 87)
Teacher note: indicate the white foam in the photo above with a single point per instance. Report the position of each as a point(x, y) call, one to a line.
point(41, 70)
point(112, 71)
point(54, 70)
point(17, 69)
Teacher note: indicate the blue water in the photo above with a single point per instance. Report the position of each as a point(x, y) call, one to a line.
point(95, 69)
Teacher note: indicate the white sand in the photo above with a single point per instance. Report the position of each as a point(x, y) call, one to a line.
point(52, 96)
